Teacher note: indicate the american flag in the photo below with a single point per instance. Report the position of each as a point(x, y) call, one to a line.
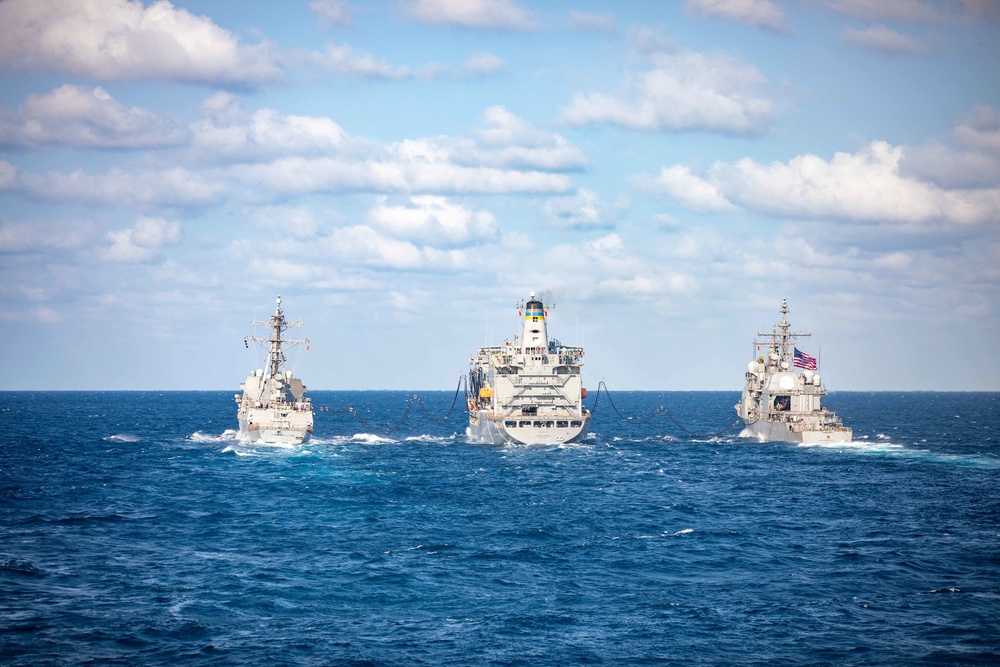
point(803, 360)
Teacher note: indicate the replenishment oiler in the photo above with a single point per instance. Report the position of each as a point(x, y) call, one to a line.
point(528, 391)
point(272, 408)
point(780, 403)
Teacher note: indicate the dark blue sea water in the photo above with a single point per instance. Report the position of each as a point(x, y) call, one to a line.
point(135, 531)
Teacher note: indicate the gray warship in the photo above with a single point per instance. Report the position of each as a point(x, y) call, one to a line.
point(529, 391)
point(272, 408)
point(780, 403)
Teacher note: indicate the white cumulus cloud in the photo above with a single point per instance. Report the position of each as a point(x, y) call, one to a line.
point(278, 155)
point(366, 246)
point(142, 242)
point(980, 130)
point(506, 140)
point(866, 186)
point(970, 160)
point(681, 90)
point(433, 221)
point(89, 118)
point(690, 190)
point(507, 154)
point(947, 167)
point(228, 132)
point(401, 172)
point(125, 40)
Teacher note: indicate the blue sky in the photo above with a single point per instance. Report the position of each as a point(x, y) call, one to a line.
point(402, 173)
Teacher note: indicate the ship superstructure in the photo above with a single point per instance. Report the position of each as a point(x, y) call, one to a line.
point(528, 391)
point(272, 408)
point(781, 403)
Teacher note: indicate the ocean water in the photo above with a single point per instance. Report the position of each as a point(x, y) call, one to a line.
point(134, 530)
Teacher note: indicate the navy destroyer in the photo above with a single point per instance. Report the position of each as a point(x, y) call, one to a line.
point(528, 391)
point(272, 408)
point(781, 403)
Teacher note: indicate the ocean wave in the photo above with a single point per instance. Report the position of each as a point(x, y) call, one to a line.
point(21, 566)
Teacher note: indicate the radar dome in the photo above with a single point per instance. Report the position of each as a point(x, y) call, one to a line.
point(808, 375)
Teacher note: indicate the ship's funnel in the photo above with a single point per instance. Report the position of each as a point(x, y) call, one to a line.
point(534, 338)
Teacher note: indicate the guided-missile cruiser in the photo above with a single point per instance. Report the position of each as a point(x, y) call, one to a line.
point(780, 403)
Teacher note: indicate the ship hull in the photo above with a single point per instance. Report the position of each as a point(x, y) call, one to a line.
point(487, 430)
point(778, 431)
point(266, 433)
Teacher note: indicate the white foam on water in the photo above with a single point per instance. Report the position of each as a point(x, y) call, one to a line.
point(276, 445)
point(370, 439)
point(896, 450)
point(122, 437)
point(228, 435)
point(855, 445)
point(576, 446)
point(430, 438)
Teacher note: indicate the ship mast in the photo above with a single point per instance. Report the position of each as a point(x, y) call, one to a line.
point(276, 345)
point(780, 342)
